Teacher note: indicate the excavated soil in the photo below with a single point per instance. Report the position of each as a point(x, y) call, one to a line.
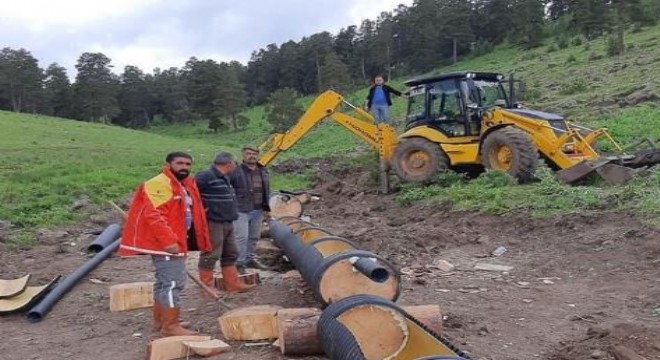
point(583, 286)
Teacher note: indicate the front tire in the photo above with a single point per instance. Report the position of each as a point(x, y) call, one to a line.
point(419, 160)
point(511, 150)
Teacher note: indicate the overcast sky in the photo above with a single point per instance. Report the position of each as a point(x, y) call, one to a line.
point(165, 33)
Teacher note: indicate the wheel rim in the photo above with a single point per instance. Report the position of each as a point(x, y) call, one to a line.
point(417, 162)
point(501, 158)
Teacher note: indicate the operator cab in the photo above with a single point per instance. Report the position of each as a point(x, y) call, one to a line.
point(449, 102)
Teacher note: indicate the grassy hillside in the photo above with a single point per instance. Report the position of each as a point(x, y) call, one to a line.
point(579, 81)
point(48, 163)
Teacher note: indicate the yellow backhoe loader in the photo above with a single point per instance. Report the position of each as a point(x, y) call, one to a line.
point(468, 121)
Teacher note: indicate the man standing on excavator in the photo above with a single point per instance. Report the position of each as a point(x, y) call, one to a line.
point(379, 99)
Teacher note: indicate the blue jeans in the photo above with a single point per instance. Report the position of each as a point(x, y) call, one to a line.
point(247, 229)
point(381, 113)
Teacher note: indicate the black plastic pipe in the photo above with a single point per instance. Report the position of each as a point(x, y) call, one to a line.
point(107, 237)
point(371, 269)
point(38, 312)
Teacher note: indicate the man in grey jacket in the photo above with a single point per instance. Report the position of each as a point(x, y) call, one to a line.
point(252, 185)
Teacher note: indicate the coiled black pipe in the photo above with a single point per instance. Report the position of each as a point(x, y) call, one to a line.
point(107, 237)
point(339, 342)
point(313, 265)
point(38, 312)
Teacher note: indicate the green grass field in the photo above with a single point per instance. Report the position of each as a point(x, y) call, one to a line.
point(47, 163)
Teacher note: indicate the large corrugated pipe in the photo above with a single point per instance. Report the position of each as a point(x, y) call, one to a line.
point(365, 327)
point(38, 312)
point(333, 266)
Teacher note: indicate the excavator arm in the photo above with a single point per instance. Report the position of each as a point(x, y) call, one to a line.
point(380, 136)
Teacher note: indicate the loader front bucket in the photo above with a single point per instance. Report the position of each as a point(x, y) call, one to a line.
point(616, 170)
point(580, 170)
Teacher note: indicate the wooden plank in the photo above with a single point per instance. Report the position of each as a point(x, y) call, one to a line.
point(249, 279)
point(172, 347)
point(207, 348)
point(11, 288)
point(131, 296)
point(250, 323)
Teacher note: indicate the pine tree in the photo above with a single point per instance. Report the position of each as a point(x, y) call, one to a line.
point(95, 89)
point(58, 91)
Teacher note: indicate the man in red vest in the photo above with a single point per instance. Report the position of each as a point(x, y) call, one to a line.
point(167, 220)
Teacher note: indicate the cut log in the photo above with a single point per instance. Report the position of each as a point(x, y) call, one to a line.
point(428, 315)
point(172, 347)
point(249, 279)
point(365, 321)
point(250, 323)
point(340, 281)
point(131, 296)
point(284, 205)
point(297, 332)
point(208, 347)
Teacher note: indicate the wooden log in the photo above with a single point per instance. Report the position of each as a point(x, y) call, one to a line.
point(131, 296)
point(340, 281)
point(250, 323)
point(172, 347)
point(249, 279)
point(207, 348)
point(365, 321)
point(297, 332)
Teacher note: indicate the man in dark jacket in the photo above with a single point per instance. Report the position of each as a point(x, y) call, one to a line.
point(250, 180)
point(379, 99)
point(220, 202)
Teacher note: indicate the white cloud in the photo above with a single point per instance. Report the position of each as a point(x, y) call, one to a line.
point(40, 15)
point(165, 33)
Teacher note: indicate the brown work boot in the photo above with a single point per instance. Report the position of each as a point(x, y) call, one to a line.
point(232, 283)
point(207, 278)
point(157, 318)
point(170, 319)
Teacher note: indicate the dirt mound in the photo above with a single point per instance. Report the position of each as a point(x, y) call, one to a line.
point(619, 341)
